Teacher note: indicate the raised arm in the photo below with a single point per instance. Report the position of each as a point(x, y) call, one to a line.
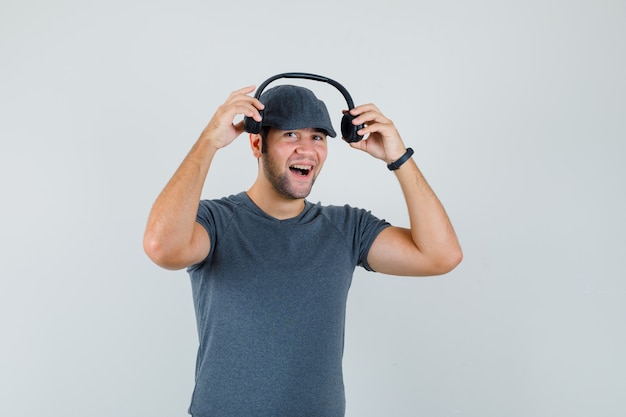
point(173, 239)
point(430, 246)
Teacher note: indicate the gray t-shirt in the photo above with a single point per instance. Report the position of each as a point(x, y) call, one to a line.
point(270, 302)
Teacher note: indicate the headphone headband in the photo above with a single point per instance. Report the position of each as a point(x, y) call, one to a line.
point(348, 130)
point(307, 76)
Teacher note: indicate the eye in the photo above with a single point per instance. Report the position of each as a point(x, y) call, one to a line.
point(319, 137)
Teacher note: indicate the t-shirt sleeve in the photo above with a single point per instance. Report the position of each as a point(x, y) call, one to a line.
point(213, 214)
point(368, 228)
point(359, 227)
point(205, 218)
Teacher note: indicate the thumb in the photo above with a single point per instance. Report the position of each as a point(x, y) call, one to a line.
point(238, 127)
point(360, 145)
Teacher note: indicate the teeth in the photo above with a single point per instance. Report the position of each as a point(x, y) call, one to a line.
point(303, 167)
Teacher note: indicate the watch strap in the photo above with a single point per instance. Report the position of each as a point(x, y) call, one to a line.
point(395, 165)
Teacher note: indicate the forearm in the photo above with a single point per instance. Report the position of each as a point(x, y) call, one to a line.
point(430, 226)
point(172, 219)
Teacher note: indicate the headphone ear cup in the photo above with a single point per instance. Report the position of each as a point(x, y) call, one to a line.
point(252, 126)
point(348, 130)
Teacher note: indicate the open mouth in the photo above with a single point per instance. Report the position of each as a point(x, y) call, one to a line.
point(301, 170)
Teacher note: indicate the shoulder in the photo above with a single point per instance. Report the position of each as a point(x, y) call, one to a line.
point(230, 202)
point(346, 212)
point(350, 219)
point(217, 214)
point(222, 206)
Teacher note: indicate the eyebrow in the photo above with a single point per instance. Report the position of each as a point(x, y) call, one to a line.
point(312, 129)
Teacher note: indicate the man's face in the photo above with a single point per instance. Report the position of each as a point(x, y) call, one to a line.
point(293, 160)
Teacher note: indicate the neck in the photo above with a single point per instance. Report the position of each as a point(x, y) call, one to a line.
point(274, 204)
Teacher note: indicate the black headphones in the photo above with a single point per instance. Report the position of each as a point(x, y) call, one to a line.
point(348, 130)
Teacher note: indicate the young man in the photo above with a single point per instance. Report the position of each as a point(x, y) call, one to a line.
point(270, 271)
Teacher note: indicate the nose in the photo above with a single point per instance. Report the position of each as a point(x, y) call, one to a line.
point(305, 147)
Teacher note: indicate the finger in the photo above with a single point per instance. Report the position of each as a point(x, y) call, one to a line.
point(247, 109)
point(364, 108)
point(242, 95)
point(385, 128)
point(370, 117)
point(244, 90)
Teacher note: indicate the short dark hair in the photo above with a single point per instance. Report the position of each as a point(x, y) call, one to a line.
point(264, 133)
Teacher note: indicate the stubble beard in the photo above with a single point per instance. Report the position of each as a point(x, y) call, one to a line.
point(281, 182)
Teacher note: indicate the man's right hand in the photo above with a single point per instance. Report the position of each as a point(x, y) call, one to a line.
point(221, 130)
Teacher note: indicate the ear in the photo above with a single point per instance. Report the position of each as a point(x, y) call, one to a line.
point(256, 143)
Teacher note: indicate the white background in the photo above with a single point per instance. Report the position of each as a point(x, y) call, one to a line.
point(517, 114)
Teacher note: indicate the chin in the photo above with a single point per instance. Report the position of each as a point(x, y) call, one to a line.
point(287, 187)
point(298, 195)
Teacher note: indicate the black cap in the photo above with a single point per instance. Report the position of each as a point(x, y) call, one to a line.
point(290, 107)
